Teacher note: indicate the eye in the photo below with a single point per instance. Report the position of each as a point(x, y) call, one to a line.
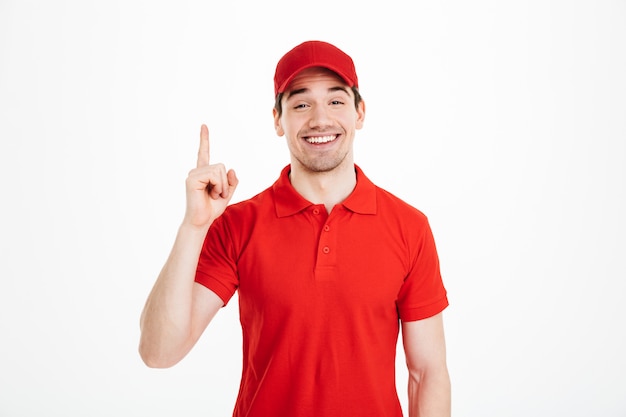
point(336, 102)
point(300, 106)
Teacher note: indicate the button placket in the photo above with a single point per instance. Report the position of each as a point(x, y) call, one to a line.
point(326, 263)
point(324, 240)
point(327, 246)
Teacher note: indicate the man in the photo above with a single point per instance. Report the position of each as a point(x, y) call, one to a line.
point(326, 264)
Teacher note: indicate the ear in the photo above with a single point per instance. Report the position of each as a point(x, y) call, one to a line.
point(277, 124)
point(360, 114)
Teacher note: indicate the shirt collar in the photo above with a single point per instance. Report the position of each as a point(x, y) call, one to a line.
point(362, 200)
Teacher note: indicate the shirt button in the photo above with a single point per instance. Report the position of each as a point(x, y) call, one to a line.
point(326, 249)
point(326, 228)
point(316, 211)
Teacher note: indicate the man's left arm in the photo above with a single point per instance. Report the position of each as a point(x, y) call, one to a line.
point(429, 381)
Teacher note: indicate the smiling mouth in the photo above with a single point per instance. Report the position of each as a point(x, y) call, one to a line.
point(320, 139)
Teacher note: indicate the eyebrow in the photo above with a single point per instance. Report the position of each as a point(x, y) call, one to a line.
point(305, 90)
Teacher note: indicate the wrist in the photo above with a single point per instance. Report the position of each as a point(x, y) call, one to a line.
point(190, 228)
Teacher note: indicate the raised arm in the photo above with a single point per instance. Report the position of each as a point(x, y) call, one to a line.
point(429, 382)
point(178, 310)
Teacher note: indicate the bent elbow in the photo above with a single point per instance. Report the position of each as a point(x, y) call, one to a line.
point(155, 363)
point(153, 359)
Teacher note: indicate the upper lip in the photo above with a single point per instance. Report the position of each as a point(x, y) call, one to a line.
point(320, 134)
point(322, 139)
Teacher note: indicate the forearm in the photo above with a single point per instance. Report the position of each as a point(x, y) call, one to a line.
point(166, 320)
point(429, 393)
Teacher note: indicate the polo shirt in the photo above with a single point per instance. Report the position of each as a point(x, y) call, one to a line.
point(321, 296)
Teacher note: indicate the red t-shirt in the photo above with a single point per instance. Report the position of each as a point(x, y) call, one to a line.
point(321, 297)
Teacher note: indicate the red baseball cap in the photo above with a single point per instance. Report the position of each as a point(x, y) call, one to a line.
point(314, 54)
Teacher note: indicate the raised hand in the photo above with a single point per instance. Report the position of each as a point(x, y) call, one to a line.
point(209, 187)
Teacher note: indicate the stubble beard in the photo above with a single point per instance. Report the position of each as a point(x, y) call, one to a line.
point(322, 164)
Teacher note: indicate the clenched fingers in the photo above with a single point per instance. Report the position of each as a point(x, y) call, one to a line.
point(212, 179)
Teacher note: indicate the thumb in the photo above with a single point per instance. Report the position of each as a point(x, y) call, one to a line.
point(233, 181)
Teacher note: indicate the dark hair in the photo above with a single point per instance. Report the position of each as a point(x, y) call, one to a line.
point(279, 106)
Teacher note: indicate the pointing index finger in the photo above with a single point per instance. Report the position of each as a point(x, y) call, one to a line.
point(203, 152)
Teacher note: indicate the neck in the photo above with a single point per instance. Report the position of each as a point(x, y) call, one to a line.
point(327, 188)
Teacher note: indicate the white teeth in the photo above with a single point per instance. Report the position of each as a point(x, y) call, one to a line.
point(321, 139)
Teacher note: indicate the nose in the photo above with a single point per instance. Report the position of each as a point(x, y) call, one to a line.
point(319, 116)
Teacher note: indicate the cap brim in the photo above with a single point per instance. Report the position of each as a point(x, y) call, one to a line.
point(344, 77)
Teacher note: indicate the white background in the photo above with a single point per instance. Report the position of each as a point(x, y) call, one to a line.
point(505, 122)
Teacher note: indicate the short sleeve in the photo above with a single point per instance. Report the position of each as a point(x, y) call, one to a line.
point(217, 266)
point(422, 294)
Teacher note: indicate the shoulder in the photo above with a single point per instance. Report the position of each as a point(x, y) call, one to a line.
point(263, 202)
point(390, 204)
point(389, 208)
point(249, 208)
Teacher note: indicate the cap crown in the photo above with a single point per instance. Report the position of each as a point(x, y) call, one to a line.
point(314, 54)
